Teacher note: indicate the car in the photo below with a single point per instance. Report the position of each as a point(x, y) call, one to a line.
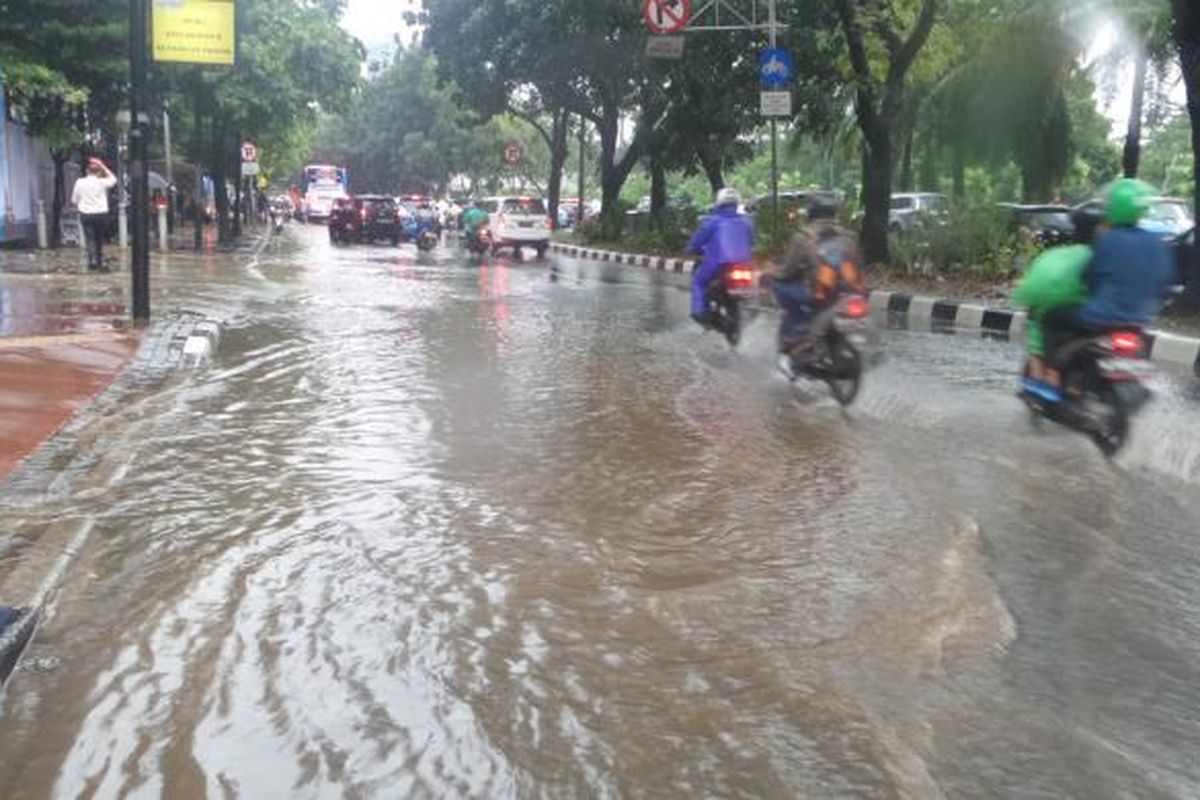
point(519, 222)
point(1045, 225)
point(364, 218)
point(1188, 273)
point(909, 210)
point(793, 202)
point(1169, 217)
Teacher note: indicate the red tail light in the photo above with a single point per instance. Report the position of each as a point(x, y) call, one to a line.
point(740, 277)
point(1126, 344)
point(857, 307)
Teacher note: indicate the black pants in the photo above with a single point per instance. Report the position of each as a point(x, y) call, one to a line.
point(93, 236)
point(1061, 326)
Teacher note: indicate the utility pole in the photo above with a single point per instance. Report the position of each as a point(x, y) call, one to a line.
point(138, 173)
point(170, 170)
point(582, 168)
point(774, 33)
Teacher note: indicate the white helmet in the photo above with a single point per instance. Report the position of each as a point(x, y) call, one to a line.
point(728, 197)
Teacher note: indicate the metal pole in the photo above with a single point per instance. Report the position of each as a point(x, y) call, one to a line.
point(139, 175)
point(774, 34)
point(170, 171)
point(582, 168)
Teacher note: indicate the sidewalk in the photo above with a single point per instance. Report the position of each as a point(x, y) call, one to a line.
point(61, 343)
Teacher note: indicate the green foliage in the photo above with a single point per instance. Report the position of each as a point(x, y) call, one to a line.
point(975, 239)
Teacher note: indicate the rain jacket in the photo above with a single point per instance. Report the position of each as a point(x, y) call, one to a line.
point(1131, 273)
point(474, 219)
point(1054, 279)
point(724, 237)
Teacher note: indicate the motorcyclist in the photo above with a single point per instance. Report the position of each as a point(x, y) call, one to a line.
point(1128, 279)
point(725, 236)
point(1054, 279)
point(474, 219)
point(822, 261)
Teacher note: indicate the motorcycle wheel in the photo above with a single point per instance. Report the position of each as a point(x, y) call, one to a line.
point(1107, 419)
point(845, 369)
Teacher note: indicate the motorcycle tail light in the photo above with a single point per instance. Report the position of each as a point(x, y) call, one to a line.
point(857, 307)
point(741, 277)
point(1126, 344)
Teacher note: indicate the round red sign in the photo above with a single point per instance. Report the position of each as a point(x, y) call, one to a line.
point(512, 153)
point(667, 16)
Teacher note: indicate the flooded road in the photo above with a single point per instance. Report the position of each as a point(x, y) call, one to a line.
point(428, 528)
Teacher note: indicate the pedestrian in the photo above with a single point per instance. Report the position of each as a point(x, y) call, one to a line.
point(90, 198)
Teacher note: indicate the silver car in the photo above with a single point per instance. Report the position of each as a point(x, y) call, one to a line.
point(912, 209)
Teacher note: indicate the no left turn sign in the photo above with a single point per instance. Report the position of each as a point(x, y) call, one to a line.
point(249, 152)
point(667, 16)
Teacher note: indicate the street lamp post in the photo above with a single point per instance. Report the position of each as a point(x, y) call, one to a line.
point(138, 173)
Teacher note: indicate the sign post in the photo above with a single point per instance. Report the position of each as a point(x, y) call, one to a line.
point(139, 174)
point(249, 170)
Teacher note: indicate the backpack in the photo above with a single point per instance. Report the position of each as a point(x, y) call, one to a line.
point(836, 272)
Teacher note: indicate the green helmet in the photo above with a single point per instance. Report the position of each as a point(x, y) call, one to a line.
point(1127, 201)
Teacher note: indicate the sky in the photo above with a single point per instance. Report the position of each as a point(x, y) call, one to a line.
point(375, 22)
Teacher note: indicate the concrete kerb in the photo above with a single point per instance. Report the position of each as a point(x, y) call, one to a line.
point(900, 311)
point(180, 341)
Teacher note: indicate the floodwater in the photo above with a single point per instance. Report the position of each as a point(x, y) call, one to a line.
point(431, 528)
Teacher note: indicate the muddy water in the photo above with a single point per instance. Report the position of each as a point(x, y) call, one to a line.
point(433, 529)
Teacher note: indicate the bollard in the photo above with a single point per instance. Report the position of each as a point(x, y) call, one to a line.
point(164, 240)
point(122, 225)
point(42, 233)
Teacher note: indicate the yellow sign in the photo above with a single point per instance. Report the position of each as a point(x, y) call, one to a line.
point(194, 31)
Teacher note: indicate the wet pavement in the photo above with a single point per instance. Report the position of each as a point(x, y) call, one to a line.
point(432, 528)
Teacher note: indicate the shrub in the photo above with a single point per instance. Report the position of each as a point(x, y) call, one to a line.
point(973, 239)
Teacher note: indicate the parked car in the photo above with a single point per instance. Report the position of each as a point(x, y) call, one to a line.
point(1169, 217)
point(794, 202)
point(1045, 225)
point(911, 210)
point(519, 222)
point(1185, 258)
point(364, 218)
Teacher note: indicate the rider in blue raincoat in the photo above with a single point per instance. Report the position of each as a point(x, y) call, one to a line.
point(726, 236)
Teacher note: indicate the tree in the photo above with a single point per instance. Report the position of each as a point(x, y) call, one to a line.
point(1186, 34)
point(870, 27)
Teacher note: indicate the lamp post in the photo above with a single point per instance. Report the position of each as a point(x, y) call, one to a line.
point(122, 123)
point(139, 56)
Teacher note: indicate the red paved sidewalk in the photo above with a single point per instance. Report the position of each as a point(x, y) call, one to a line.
point(60, 345)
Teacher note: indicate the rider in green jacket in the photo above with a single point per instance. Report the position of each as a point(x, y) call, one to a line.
point(1054, 279)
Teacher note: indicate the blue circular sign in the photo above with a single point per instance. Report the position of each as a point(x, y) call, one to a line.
point(775, 67)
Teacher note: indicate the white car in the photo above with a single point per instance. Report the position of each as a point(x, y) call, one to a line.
point(912, 209)
point(518, 222)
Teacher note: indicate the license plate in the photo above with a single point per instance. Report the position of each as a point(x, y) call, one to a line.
point(525, 224)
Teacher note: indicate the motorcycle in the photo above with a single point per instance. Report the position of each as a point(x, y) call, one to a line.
point(1102, 388)
point(421, 231)
point(480, 242)
point(830, 351)
point(734, 285)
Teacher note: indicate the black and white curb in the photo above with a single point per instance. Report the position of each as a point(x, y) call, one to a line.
point(899, 311)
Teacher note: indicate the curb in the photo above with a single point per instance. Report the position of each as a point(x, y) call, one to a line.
point(183, 341)
point(929, 314)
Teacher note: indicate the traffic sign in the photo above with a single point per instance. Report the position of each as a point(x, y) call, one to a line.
point(249, 168)
point(249, 152)
point(512, 154)
point(776, 104)
point(665, 47)
point(667, 16)
point(775, 67)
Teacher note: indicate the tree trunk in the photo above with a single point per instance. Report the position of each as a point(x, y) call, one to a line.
point(60, 162)
point(1187, 41)
point(614, 172)
point(877, 191)
point(959, 170)
point(907, 176)
point(558, 158)
point(1133, 135)
point(658, 190)
point(711, 163)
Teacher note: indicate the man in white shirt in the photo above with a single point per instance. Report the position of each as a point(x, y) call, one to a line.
point(90, 197)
